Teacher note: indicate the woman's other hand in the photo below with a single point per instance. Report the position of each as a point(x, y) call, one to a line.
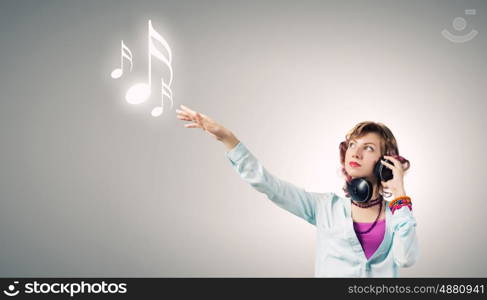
point(396, 184)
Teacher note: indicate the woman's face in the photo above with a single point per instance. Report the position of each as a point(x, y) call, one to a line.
point(365, 152)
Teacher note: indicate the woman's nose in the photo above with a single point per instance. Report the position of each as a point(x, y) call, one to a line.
point(357, 154)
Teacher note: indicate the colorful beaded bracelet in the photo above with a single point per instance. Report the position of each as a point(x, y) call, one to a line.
point(400, 202)
point(399, 206)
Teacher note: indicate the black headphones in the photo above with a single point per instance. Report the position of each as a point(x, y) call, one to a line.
point(360, 189)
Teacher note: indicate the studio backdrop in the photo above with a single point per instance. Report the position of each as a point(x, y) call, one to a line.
point(92, 185)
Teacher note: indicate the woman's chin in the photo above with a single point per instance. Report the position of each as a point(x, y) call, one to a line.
point(355, 173)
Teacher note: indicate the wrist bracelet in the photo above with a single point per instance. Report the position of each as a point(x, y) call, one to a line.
point(396, 207)
point(399, 202)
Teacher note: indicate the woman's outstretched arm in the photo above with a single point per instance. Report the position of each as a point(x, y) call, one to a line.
point(286, 195)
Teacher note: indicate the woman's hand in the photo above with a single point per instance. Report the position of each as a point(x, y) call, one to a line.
point(396, 184)
point(207, 124)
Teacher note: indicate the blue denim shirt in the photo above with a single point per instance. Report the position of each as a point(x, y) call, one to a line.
point(338, 250)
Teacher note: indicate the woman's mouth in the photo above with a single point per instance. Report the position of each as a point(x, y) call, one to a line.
point(354, 164)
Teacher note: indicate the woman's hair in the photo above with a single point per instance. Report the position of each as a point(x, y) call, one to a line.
point(388, 146)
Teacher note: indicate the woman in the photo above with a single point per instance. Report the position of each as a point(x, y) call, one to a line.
point(354, 238)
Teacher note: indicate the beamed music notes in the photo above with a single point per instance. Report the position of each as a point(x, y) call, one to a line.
point(140, 92)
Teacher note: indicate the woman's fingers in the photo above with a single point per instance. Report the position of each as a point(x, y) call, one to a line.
point(390, 166)
point(183, 117)
point(199, 120)
point(182, 114)
point(192, 125)
point(187, 110)
point(394, 160)
point(395, 163)
point(189, 113)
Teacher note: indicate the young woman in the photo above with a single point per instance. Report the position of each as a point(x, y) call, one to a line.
point(355, 238)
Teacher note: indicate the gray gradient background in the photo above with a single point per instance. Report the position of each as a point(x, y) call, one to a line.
point(91, 186)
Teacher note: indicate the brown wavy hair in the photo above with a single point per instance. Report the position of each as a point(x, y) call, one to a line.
point(388, 147)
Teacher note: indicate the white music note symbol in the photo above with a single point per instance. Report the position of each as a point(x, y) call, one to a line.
point(124, 52)
point(140, 92)
point(165, 91)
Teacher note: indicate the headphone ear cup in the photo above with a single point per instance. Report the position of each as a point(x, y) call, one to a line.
point(360, 189)
point(378, 168)
point(382, 172)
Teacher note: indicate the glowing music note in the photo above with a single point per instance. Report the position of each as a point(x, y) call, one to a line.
point(165, 91)
point(140, 92)
point(124, 52)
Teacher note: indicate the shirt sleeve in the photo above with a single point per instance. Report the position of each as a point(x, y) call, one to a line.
point(405, 242)
point(286, 195)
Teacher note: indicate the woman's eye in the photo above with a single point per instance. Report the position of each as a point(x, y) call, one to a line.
point(353, 144)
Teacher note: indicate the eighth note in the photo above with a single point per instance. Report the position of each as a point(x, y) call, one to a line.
point(124, 52)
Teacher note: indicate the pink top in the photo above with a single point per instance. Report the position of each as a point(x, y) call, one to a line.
point(371, 240)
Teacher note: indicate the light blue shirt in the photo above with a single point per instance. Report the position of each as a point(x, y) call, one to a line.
point(338, 250)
